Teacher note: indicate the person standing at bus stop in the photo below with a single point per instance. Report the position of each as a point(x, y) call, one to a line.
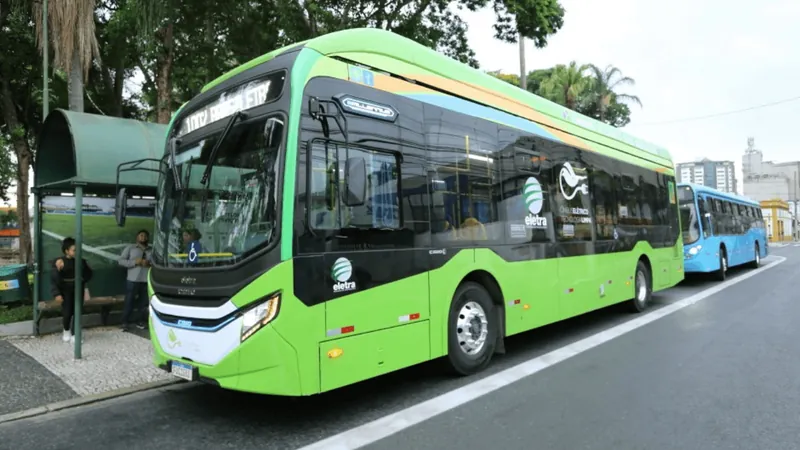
point(136, 258)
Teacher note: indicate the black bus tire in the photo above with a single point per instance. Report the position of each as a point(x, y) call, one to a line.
point(722, 272)
point(642, 288)
point(471, 329)
point(756, 262)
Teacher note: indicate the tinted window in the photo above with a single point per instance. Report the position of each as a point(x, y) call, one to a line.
point(465, 179)
point(526, 205)
point(605, 203)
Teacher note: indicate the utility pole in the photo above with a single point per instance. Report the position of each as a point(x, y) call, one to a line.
point(523, 78)
point(37, 215)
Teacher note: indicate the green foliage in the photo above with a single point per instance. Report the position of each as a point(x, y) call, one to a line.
point(509, 78)
point(583, 88)
point(8, 170)
point(8, 218)
point(19, 313)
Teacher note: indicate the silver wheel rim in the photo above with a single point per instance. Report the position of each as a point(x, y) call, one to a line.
point(472, 327)
point(724, 264)
point(641, 287)
point(758, 257)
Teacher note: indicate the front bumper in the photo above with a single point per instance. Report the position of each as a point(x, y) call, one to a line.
point(265, 363)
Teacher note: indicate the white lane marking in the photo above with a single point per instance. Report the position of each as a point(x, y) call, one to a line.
point(386, 426)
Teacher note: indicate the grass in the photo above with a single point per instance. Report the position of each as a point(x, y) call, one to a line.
point(98, 231)
point(15, 314)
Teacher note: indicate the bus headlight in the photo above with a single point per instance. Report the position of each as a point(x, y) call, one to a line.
point(258, 316)
point(695, 250)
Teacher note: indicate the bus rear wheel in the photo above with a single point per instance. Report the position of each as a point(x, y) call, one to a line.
point(472, 329)
point(756, 262)
point(642, 288)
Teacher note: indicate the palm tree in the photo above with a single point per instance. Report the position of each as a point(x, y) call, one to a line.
point(566, 85)
point(72, 33)
point(603, 86)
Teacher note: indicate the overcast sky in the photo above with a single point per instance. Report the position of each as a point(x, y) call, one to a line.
point(689, 58)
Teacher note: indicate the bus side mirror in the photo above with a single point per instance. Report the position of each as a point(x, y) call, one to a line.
point(120, 206)
point(355, 181)
point(313, 107)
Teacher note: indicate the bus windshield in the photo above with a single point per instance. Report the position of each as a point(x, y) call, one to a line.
point(234, 212)
point(689, 223)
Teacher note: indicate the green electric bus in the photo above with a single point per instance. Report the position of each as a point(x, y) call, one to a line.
point(358, 203)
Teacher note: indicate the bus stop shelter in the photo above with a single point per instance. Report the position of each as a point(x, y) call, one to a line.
point(75, 179)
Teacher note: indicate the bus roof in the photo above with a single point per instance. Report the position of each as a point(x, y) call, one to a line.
point(717, 193)
point(390, 52)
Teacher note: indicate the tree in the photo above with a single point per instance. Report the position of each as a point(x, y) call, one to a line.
point(580, 86)
point(603, 90)
point(432, 23)
point(18, 105)
point(509, 78)
point(119, 52)
point(567, 85)
point(8, 171)
point(72, 28)
point(186, 43)
point(537, 77)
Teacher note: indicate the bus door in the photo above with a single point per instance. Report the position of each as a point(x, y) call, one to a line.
point(387, 244)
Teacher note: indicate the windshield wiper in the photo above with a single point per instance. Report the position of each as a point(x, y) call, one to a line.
point(213, 155)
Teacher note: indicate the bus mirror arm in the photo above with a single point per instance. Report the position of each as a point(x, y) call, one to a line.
point(317, 112)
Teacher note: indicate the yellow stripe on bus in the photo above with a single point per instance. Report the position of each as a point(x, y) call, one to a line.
point(201, 255)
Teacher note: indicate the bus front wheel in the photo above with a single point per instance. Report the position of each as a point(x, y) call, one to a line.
point(722, 273)
point(642, 289)
point(472, 329)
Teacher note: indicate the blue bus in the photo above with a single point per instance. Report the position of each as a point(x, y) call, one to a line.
point(720, 230)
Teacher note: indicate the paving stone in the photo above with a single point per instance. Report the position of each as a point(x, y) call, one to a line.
point(110, 360)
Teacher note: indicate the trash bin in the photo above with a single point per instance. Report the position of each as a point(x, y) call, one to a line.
point(14, 285)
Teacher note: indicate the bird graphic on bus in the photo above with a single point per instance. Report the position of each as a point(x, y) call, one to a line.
point(578, 183)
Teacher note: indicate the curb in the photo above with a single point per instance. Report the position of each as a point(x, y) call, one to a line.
point(85, 400)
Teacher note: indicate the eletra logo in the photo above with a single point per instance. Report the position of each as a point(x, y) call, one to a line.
point(534, 201)
point(532, 191)
point(173, 339)
point(341, 272)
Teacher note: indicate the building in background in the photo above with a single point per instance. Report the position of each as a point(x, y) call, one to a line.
point(719, 175)
point(781, 226)
point(767, 180)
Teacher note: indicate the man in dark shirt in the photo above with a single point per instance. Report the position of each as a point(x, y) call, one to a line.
point(62, 286)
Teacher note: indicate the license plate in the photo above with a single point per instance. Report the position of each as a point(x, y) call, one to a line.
point(182, 370)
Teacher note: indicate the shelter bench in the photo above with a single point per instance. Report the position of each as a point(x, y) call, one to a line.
point(105, 304)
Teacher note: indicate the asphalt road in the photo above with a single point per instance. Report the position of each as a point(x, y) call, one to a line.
point(24, 383)
point(720, 373)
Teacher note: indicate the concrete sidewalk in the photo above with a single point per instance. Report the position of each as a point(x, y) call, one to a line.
point(35, 372)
